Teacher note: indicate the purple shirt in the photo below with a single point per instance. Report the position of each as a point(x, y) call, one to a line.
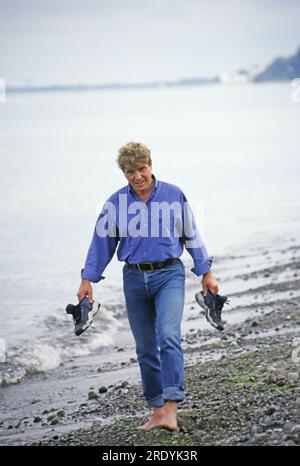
point(153, 231)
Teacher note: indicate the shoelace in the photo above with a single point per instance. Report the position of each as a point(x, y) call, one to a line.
point(220, 301)
point(77, 316)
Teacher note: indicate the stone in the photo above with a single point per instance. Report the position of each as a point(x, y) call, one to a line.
point(102, 389)
point(54, 421)
point(257, 429)
point(93, 395)
point(270, 410)
point(292, 377)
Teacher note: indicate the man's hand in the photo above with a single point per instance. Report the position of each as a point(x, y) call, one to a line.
point(209, 283)
point(85, 289)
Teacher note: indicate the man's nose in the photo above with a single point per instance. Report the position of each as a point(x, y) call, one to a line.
point(138, 176)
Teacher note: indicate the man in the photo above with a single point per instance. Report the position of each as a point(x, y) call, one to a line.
point(150, 243)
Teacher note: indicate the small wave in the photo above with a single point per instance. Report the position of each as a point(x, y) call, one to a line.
point(42, 356)
point(28, 359)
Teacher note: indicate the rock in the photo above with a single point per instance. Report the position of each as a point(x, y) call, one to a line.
point(54, 420)
point(297, 403)
point(224, 337)
point(271, 410)
point(122, 385)
point(295, 429)
point(294, 434)
point(257, 429)
point(281, 382)
point(290, 443)
point(292, 377)
point(102, 389)
point(37, 419)
point(96, 425)
point(254, 323)
point(93, 395)
point(276, 373)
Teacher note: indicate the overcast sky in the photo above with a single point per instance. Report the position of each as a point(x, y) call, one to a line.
point(72, 41)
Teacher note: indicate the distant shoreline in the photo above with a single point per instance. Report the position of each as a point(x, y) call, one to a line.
point(104, 87)
point(111, 86)
point(279, 70)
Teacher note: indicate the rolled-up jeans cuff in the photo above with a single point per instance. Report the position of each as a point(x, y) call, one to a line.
point(173, 392)
point(156, 402)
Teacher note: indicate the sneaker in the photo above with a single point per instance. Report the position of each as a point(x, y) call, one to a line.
point(83, 314)
point(213, 305)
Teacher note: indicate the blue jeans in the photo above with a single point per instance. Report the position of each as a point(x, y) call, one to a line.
point(154, 302)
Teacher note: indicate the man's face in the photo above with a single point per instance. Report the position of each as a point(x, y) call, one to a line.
point(139, 177)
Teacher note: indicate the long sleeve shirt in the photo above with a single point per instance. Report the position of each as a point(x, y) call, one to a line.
point(151, 231)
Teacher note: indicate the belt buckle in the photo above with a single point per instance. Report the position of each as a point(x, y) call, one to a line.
point(145, 263)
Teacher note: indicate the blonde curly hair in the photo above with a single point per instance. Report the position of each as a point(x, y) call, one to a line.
point(132, 154)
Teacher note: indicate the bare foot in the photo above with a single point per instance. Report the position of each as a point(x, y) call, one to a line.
point(163, 418)
point(154, 420)
point(169, 419)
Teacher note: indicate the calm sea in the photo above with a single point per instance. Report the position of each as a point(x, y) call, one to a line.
point(234, 150)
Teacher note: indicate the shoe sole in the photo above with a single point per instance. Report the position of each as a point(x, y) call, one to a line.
point(91, 315)
point(200, 301)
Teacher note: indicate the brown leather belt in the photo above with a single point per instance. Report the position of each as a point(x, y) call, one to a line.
point(149, 266)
